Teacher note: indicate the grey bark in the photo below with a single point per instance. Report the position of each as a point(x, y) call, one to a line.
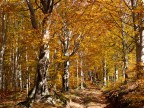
point(138, 29)
point(67, 53)
point(135, 17)
point(116, 73)
point(104, 72)
point(81, 72)
point(77, 72)
point(66, 76)
point(3, 36)
point(40, 89)
point(27, 72)
point(124, 40)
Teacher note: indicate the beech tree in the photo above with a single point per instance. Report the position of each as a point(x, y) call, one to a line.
point(40, 89)
point(69, 36)
point(137, 20)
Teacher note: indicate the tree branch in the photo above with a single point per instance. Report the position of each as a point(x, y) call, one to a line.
point(32, 14)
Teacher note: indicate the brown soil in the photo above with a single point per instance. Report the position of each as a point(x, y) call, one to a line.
point(86, 98)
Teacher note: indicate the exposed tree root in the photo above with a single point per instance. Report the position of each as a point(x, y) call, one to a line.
point(56, 99)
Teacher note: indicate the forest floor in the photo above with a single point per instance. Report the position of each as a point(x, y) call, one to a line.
point(91, 97)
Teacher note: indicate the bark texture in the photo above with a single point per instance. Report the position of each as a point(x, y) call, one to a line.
point(40, 89)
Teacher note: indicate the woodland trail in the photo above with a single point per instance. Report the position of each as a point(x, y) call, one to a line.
point(88, 98)
point(91, 97)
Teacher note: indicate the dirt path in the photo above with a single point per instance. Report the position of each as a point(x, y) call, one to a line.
point(88, 98)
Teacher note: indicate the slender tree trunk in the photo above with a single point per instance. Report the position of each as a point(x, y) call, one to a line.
point(3, 39)
point(66, 46)
point(55, 67)
point(16, 65)
point(81, 72)
point(27, 72)
point(105, 72)
point(77, 72)
point(116, 73)
point(20, 78)
point(142, 53)
point(90, 75)
point(65, 39)
point(66, 76)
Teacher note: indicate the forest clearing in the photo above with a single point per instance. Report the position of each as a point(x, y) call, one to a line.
point(72, 54)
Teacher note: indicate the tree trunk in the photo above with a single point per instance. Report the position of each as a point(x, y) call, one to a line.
point(77, 72)
point(27, 72)
point(20, 78)
point(81, 72)
point(104, 72)
point(116, 73)
point(124, 41)
point(66, 45)
point(65, 39)
point(66, 76)
point(41, 89)
point(3, 36)
point(141, 73)
point(136, 28)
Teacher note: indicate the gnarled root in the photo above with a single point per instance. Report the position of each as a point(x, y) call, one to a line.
point(57, 99)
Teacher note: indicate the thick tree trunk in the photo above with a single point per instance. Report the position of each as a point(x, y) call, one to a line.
point(136, 29)
point(124, 41)
point(41, 89)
